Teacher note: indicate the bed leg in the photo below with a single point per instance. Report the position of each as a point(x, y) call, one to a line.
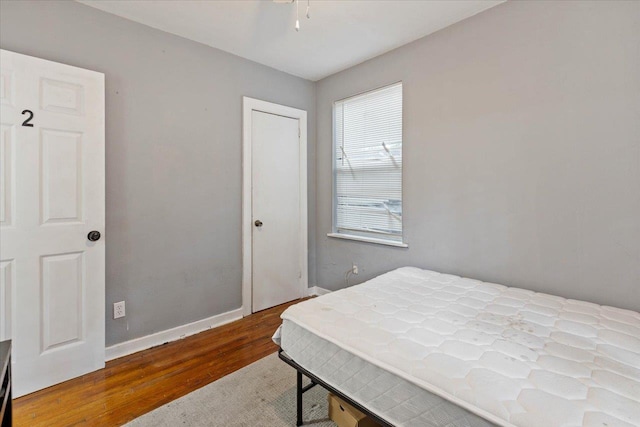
point(299, 398)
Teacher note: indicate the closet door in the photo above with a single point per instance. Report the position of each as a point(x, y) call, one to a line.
point(275, 185)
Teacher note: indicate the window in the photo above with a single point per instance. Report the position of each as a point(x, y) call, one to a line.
point(367, 166)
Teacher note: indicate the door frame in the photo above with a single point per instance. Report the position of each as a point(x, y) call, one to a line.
point(248, 106)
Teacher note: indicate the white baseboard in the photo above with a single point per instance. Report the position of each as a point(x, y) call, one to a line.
point(316, 291)
point(144, 343)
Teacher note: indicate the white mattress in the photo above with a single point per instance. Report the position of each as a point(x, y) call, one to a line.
point(394, 399)
point(511, 356)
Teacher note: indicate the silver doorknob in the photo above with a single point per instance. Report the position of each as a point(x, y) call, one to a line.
point(258, 223)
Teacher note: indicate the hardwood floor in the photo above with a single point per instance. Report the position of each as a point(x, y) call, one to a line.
point(134, 385)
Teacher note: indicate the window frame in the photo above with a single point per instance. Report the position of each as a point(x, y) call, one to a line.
point(334, 199)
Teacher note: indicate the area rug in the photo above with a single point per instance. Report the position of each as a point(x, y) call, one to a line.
point(261, 394)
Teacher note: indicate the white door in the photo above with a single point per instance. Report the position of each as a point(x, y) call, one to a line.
point(275, 193)
point(53, 196)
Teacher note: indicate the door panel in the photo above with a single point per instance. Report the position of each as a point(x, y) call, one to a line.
point(61, 97)
point(6, 86)
point(7, 169)
point(61, 154)
point(276, 203)
point(7, 269)
point(62, 304)
point(52, 196)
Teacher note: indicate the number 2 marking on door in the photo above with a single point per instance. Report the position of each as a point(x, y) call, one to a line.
point(26, 122)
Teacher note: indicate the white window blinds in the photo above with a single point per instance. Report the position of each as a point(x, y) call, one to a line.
point(368, 164)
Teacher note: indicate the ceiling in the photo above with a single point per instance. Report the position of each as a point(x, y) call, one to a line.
point(338, 35)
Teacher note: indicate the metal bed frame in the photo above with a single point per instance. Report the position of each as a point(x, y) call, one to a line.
point(300, 390)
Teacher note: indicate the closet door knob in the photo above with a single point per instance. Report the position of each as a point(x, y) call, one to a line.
point(258, 223)
point(93, 236)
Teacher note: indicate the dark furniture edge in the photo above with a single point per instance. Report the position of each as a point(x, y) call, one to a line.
point(5, 377)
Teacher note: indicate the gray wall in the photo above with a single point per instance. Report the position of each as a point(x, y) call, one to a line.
point(521, 152)
point(173, 157)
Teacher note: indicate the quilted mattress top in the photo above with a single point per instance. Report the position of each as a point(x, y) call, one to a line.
point(514, 357)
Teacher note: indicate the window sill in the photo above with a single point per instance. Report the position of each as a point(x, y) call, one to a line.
point(368, 240)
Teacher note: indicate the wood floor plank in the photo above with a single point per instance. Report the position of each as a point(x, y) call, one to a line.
point(133, 385)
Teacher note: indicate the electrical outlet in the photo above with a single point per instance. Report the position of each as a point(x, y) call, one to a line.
point(354, 269)
point(118, 310)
